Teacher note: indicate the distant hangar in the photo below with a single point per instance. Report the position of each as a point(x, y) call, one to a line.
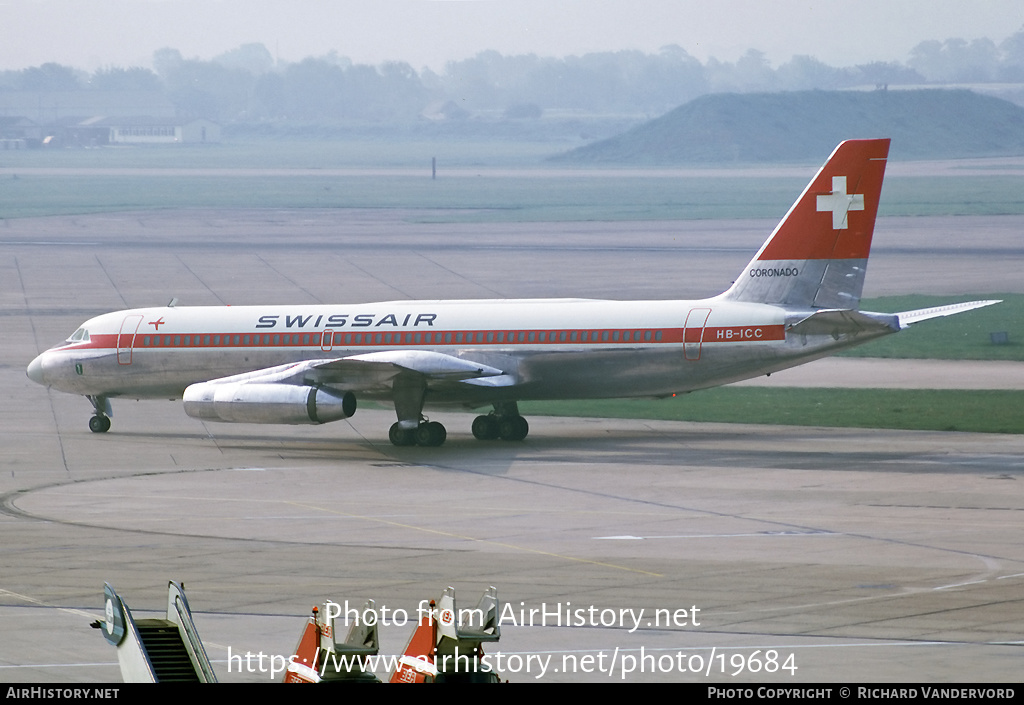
point(99, 131)
point(97, 118)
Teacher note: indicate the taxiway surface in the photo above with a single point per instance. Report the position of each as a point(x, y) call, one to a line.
point(864, 555)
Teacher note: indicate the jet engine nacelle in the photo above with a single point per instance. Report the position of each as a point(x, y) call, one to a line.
point(254, 402)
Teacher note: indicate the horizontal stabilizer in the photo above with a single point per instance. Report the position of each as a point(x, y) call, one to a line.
point(923, 314)
point(844, 321)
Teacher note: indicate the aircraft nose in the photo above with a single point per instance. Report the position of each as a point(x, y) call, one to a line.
point(35, 370)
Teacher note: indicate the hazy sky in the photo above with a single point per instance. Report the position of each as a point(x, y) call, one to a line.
point(89, 34)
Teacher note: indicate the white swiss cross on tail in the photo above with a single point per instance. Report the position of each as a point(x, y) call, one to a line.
point(840, 203)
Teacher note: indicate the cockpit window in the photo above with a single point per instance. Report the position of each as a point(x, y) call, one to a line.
point(79, 336)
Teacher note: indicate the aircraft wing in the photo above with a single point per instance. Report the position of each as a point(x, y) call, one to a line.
point(379, 368)
point(368, 371)
point(322, 390)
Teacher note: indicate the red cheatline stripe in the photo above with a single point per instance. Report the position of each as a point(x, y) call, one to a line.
point(595, 337)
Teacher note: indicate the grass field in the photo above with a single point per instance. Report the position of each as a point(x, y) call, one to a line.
point(467, 197)
point(86, 181)
point(294, 154)
point(912, 409)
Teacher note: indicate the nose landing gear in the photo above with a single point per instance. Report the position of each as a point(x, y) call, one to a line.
point(100, 422)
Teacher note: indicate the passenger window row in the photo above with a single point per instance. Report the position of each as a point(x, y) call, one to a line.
point(645, 335)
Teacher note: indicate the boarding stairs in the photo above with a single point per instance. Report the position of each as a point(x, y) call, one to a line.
point(156, 650)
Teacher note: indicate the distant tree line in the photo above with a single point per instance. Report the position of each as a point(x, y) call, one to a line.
point(247, 85)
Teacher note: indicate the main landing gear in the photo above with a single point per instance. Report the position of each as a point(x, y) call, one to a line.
point(504, 423)
point(429, 433)
point(100, 422)
point(507, 428)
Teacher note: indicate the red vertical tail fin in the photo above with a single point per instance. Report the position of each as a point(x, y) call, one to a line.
point(817, 255)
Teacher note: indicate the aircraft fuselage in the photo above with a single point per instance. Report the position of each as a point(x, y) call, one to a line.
point(556, 349)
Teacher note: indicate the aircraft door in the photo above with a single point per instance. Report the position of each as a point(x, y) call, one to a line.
point(693, 332)
point(126, 338)
point(327, 340)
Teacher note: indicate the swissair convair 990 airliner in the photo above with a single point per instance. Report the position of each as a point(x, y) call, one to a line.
point(796, 301)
